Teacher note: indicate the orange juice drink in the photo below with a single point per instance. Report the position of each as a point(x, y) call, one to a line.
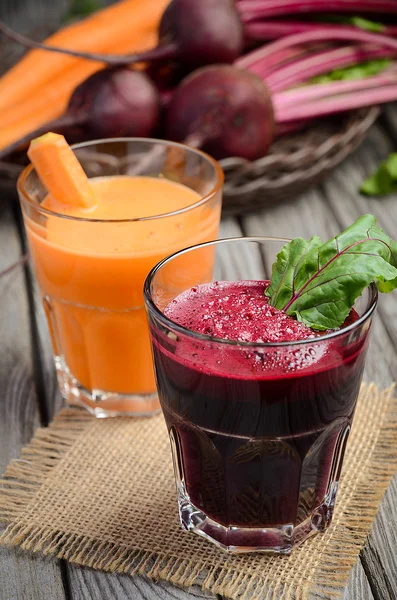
point(153, 198)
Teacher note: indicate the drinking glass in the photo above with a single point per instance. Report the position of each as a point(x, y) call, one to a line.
point(257, 451)
point(93, 298)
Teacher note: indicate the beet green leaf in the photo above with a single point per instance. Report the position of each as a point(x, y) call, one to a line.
point(318, 283)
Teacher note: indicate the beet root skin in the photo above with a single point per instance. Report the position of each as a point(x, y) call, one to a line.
point(117, 102)
point(203, 31)
point(112, 102)
point(224, 110)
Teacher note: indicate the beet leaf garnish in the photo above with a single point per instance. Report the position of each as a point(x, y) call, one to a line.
point(318, 283)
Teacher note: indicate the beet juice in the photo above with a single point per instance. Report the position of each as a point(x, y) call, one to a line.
point(258, 405)
point(259, 418)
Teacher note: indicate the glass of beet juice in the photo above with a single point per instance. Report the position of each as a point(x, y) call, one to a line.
point(258, 406)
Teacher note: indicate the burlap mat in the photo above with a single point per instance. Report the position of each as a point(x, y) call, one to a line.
point(101, 493)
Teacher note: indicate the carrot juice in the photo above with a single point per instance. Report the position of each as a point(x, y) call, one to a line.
point(91, 264)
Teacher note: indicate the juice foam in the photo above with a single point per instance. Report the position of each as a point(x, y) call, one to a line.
point(240, 312)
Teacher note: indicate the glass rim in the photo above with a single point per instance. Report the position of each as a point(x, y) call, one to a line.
point(203, 199)
point(169, 323)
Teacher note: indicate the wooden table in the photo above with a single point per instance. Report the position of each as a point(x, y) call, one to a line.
point(30, 396)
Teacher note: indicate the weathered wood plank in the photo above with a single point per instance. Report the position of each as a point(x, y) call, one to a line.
point(87, 584)
point(17, 408)
point(25, 577)
point(389, 120)
point(378, 580)
point(21, 576)
point(358, 587)
point(379, 554)
point(229, 228)
point(306, 215)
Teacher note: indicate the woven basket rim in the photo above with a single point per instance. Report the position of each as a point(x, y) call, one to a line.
point(293, 164)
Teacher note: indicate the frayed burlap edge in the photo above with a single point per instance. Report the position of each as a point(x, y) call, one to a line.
point(346, 537)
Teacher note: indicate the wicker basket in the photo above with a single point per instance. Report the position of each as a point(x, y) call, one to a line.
point(294, 163)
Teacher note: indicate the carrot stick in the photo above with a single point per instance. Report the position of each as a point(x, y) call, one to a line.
point(124, 20)
point(60, 172)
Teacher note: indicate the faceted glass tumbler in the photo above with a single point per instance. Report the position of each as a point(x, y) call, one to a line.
point(91, 272)
point(257, 455)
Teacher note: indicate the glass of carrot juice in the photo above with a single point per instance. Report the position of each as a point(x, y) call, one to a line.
point(153, 198)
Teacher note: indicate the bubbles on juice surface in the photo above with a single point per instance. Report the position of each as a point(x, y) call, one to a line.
point(239, 311)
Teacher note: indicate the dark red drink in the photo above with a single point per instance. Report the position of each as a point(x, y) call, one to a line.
point(259, 424)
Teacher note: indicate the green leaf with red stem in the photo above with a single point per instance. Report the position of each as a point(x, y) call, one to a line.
point(319, 283)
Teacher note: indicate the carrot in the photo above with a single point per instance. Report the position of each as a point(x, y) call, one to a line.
point(51, 100)
point(125, 20)
point(60, 172)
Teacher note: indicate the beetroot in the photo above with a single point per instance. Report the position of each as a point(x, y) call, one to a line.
point(195, 32)
point(112, 102)
point(224, 110)
point(202, 31)
point(116, 102)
